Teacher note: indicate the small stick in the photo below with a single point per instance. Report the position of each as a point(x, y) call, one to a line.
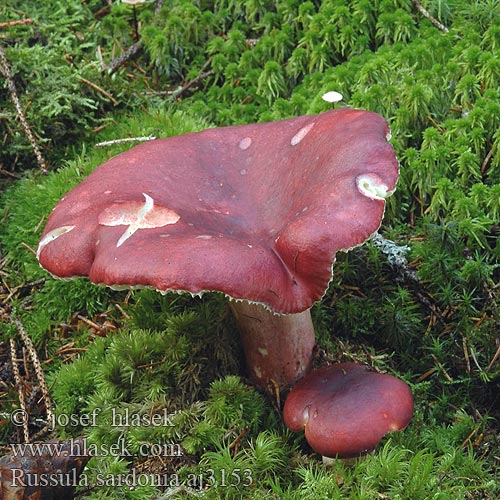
point(103, 126)
point(5, 215)
point(120, 308)
point(426, 14)
point(473, 355)
point(10, 174)
point(17, 379)
point(189, 84)
point(98, 89)
point(38, 368)
point(101, 59)
point(122, 58)
point(487, 159)
point(17, 22)
point(30, 284)
point(5, 70)
point(127, 139)
point(25, 245)
point(442, 369)
point(469, 437)
point(495, 357)
point(236, 442)
point(100, 330)
point(435, 123)
point(178, 93)
point(39, 225)
point(466, 354)
point(427, 374)
point(70, 348)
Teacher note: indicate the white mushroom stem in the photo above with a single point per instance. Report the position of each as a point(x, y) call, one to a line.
point(278, 348)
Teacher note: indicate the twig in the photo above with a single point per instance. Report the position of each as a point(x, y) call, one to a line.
point(435, 123)
point(495, 357)
point(236, 441)
point(123, 58)
point(127, 139)
point(466, 354)
point(120, 308)
point(469, 437)
point(487, 159)
point(98, 89)
point(427, 374)
point(189, 84)
point(4, 68)
point(101, 59)
point(473, 355)
point(38, 371)
point(27, 247)
point(427, 303)
point(442, 369)
point(92, 324)
point(17, 22)
point(426, 14)
point(19, 386)
point(10, 174)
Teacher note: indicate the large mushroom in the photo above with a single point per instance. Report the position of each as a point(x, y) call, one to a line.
point(257, 212)
point(345, 409)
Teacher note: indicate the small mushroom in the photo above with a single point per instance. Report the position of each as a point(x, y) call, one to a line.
point(257, 212)
point(345, 409)
point(332, 96)
point(135, 23)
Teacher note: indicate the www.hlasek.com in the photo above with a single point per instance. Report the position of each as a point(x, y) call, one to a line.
point(80, 448)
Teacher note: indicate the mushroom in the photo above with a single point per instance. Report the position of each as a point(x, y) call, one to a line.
point(345, 409)
point(136, 24)
point(332, 96)
point(255, 211)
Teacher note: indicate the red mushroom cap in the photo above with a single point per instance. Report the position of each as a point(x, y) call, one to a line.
point(255, 211)
point(345, 409)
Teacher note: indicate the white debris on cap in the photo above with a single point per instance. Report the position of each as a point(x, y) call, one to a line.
point(245, 143)
point(137, 216)
point(332, 96)
point(372, 186)
point(301, 134)
point(51, 236)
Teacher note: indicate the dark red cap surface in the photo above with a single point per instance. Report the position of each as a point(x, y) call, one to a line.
point(345, 409)
point(255, 211)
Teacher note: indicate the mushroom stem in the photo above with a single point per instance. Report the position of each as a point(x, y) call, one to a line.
point(136, 25)
point(278, 348)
